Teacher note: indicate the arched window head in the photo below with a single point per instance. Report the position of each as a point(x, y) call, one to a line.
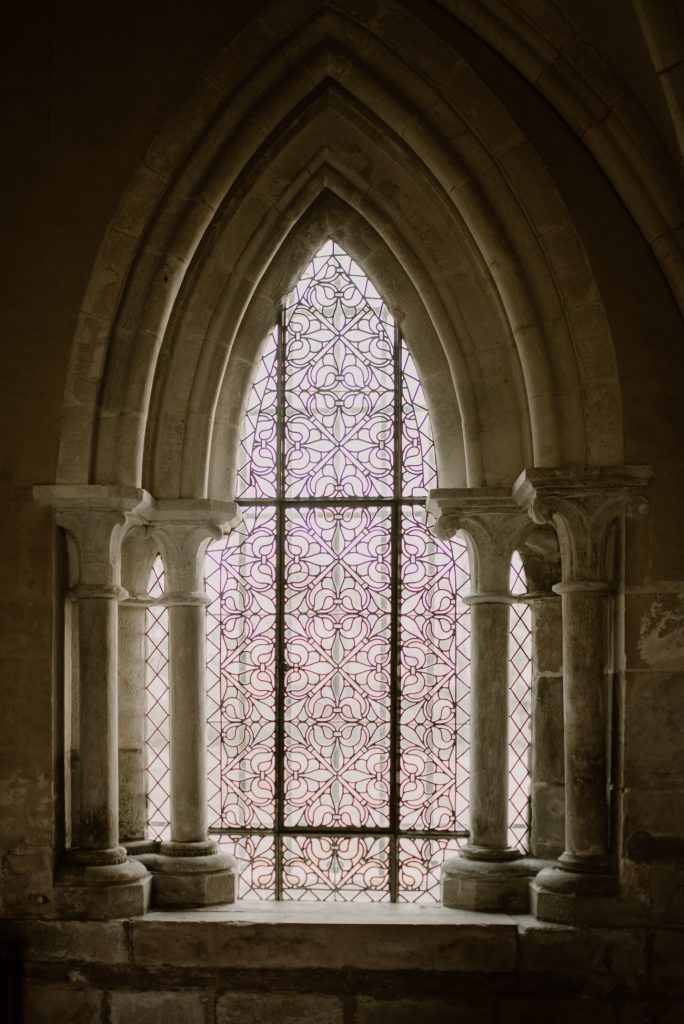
point(338, 640)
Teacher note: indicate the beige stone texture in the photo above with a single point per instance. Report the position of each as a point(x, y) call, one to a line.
point(255, 1007)
point(56, 1004)
point(510, 175)
point(159, 1007)
point(427, 1010)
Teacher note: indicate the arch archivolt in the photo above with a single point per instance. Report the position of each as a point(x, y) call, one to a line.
point(382, 136)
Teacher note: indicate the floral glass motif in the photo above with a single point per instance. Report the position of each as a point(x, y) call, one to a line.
point(338, 695)
point(339, 766)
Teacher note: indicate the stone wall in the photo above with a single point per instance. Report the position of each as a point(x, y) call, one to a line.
point(327, 966)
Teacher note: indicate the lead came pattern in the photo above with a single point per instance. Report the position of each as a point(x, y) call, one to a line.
point(157, 724)
point(336, 868)
point(337, 396)
point(257, 472)
point(339, 384)
point(240, 581)
point(519, 711)
point(337, 647)
point(433, 735)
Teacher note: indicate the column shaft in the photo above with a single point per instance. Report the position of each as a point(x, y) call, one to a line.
point(547, 755)
point(187, 656)
point(584, 711)
point(489, 727)
point(99, 817)
point(132, 766)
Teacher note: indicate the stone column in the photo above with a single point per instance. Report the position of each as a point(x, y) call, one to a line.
point(97, 879)
point(487, 874)
point(584, 507)
point(138, 554)
point(541, 559)
point(189, 869)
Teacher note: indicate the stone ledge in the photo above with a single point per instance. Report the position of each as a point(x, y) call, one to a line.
point(342, 936)
point(365, 938)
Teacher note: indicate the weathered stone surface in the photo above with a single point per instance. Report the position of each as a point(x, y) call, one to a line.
point(257, 1008)
point(160, 1007)
point(195, 890)
point(488, 885)
point(87, 941)
point(667, 955)
point(286, 936)
point(652, 1011)
point(56, 1004)
point(551, 948)
point(425, 1011)
point(654, 729)
point(559, 1011)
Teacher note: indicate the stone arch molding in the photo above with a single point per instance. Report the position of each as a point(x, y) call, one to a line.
point(365, 125)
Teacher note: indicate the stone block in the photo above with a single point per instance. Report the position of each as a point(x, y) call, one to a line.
point(425, 1011)
point(281, 937)
point(159, 1007)
point(258, 1008)
point(196, 890)
point(101, 942)
point(652, 1011)
point(654, 631)
point(61, 1004)
point(667, 954)
point(533, 1009)
point(103, 902)
point(488, 885)
point(549, 948)
point(654, 729)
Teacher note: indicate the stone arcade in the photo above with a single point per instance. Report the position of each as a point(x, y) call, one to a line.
point(509, 175)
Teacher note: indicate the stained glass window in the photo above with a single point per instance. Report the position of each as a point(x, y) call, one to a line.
point(338, 643)
point(337, 635)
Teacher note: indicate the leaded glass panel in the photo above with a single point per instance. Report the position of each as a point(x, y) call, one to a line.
point(337, 638)
point(157, 725)
point(519, 710)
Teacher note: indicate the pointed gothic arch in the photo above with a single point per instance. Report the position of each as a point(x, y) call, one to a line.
point(208, 218)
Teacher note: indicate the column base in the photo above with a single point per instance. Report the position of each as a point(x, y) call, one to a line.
point(96, 892)
point(192, 881)
point(491, 885)
point(574, 897)
point(134, 847)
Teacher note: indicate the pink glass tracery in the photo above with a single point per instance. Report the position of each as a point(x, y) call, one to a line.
point(337, 638)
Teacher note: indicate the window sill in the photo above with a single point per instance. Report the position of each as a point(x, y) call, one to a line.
point(369, 936)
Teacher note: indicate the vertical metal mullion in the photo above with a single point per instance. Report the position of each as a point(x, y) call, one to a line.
point(395, 556)
point(280, 608)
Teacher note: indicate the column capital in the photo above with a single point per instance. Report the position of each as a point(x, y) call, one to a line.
point(582, 505)
point(492, 525)
point(96, 518)
point(183, 529)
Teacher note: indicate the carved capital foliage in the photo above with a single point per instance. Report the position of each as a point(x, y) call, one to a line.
point(582, 506)
point(96, 519)
point(540, 553)
point(182, 531)
point(491, 524)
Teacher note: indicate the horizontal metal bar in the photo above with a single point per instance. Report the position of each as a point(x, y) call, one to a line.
point(329, 502)
point(379, 833)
